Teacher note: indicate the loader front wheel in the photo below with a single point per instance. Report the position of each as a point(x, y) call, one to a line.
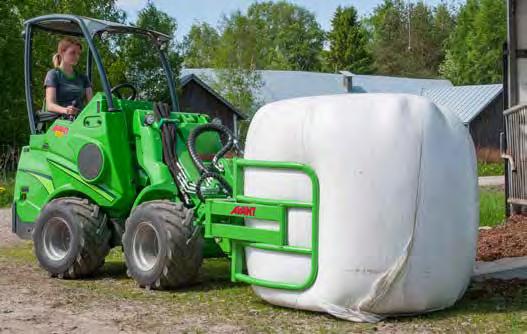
point(71, 238)
point(160, 248)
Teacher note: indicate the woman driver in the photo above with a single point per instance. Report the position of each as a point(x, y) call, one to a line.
point(66, 90)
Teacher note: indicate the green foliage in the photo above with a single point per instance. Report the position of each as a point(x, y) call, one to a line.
point(138, 58)
point(270, 35)
point(491, 207)
point(200, 46)
point(348, 42)
point(490, 169)
point(12, 103)
point(288, 36)
point(14, 126)
point(407, 40)
point(474, 49)
point(7, 186)
point(238, 43)
point(239, 86)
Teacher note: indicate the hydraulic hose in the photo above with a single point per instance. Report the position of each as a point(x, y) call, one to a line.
point(168, 136)
point(230, 141)
point(224, 133)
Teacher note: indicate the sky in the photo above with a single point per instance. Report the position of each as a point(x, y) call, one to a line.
point(187, 12)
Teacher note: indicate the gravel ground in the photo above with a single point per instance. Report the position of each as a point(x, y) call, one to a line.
point(31, 302)
point(6, 237)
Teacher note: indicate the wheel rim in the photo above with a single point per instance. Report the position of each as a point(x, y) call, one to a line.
point(146, 246)
point(57, 238)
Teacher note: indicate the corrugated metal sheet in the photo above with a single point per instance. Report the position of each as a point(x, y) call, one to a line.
point(280, 85)
point(466, 101)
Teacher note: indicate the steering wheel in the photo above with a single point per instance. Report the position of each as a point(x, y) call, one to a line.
point(115, 90)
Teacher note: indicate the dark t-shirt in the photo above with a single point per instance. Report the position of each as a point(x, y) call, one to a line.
point(70, 90)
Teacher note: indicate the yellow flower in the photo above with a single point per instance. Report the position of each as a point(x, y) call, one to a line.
point(2, 189)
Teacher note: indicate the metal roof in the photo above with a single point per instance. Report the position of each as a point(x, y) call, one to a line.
point(280, 85)
point(465, 101)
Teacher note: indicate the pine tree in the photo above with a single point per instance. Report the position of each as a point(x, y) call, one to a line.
point(408, 37)
point(348, 43)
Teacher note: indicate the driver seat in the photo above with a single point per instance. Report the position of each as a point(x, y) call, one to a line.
point(44, 118)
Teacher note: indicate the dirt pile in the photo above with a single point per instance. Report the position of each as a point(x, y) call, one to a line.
point(506, 240)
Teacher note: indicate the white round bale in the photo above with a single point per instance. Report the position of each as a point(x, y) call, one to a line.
point(398, 203)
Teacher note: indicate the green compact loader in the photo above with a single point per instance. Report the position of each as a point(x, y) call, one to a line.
point(144, 176)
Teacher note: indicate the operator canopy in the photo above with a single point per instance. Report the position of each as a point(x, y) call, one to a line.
point(67, 25)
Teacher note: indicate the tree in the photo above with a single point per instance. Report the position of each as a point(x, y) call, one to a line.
point(443, 25)
point(474, 49)
point(14, 126)
point(12, 102)
point(200, 46)
point(408, 38)
point(289, 35)
point(138, 58)
point(389, 37)
point(271, 35)
point(348, 42)
point(238, 43)
point(240, 87)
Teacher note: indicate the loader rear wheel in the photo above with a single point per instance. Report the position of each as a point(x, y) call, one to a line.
point(71, 238)
point(160, 249)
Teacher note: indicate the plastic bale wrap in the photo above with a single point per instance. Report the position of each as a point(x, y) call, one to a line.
point(398, 203)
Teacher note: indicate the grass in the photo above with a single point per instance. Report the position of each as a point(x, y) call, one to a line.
point(491, 206)
point(490, 169)
point(486, 307)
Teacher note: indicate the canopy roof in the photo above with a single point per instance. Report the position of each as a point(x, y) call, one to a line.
point(68, 25)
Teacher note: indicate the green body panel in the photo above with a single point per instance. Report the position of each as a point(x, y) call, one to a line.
point(54, 153)
point(133, 169)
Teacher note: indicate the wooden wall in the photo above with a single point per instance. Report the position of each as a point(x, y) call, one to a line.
point(485, 130)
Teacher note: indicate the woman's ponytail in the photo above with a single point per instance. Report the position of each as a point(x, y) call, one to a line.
point(57, 59)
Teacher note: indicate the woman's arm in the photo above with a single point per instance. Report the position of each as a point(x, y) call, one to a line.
point(52, 106)
point(89, 94)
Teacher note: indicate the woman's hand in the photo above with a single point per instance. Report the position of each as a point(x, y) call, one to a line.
point(71, 110)
point(52, 106)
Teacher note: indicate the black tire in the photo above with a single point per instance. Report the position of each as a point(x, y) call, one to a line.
point(71, 238)
point(160, 249)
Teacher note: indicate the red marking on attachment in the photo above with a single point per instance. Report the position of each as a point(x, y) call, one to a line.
point(244, 211)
